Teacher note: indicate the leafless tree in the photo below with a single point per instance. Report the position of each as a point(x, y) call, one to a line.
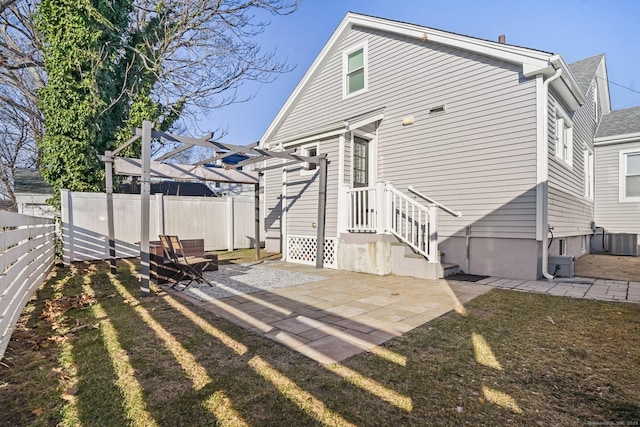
point(21, 76)
point(5, 4)
point(199, 52)
point(203, 50)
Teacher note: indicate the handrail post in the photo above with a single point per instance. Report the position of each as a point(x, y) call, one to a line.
point(388, 206)
point(433, 233)
point(381, 212)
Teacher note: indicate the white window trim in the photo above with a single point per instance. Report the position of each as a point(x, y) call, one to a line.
point(622, 182)
point(345, 69)
point(589, 178)
point(563, 118)
point(304, 151)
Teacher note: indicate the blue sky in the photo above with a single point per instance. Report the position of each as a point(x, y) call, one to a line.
point(576, 29)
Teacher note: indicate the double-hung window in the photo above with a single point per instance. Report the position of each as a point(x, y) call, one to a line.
point(355, 70)
point(630, 176)
point(564, 137)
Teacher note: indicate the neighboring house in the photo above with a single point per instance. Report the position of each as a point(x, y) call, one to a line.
point(618, 171)
point(501, 133)
point(31, 193)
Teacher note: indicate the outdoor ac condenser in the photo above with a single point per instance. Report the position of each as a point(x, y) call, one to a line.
point(562, 266)
point(623, 244)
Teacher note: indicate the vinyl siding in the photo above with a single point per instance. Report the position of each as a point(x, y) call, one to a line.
point(570, 212)
point(302, 195)
point(478, 157)
point(614, 216)
point(273, 206)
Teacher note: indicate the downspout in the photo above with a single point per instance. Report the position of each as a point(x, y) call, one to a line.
point(545, 183)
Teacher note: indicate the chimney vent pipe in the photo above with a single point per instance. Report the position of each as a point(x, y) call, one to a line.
point(502, 39)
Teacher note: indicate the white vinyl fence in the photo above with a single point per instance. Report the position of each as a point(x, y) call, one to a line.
point(223, 223)
point(27, 249)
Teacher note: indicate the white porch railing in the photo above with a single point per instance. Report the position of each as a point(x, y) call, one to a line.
point(384, 209)
point(362, 210)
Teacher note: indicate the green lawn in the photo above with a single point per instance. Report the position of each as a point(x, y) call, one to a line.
point(509, 358)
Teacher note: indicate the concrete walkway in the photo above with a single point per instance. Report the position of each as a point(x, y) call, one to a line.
point(345, 314)
point(597, 289)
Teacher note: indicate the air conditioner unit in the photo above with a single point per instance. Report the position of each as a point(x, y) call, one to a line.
point(623, 244)
point(562, 266)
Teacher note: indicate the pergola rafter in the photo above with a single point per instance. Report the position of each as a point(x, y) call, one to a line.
point(145, 168)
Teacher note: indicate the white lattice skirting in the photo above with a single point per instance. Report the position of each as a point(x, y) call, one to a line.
point(302, 250)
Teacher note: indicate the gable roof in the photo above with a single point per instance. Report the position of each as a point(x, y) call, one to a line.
point(619, 125)
point(585, 70)
point(534, 62)
point(30, 181)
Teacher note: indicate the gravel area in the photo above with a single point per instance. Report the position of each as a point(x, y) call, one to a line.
point(235, 279)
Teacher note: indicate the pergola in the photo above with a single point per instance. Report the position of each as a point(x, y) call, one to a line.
point(146, 168)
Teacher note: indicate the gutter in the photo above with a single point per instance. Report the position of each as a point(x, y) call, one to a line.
point(544, 183)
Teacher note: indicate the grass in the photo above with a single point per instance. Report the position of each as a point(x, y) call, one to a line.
point(508, 358)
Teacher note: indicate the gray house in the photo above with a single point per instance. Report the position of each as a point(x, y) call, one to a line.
point(618, 172)
point(442, 149)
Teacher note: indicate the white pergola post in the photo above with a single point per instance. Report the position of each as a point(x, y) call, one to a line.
point(108, 173)
point(145, 190)
point(322, 210)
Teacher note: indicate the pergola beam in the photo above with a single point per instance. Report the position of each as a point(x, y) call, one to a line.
point(173, 152)
point(146, 168)
point(132, 167)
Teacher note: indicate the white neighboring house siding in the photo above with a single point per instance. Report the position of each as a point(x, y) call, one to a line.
point(477, 157)
point(570, 212)
point(612, 214)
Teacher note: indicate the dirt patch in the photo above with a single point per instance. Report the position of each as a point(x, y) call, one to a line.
point(613, 267)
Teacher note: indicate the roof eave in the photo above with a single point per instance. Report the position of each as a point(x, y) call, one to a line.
point(616, 139)
point(533, 62)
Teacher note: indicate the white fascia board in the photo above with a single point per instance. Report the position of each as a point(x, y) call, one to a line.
point(617, 139)
point(603, 87)
point(365, 121)
point(509, 53)
point(313, 135)
point(566, 85)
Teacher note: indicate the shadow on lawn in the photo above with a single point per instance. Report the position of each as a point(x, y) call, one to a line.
point(161, 361)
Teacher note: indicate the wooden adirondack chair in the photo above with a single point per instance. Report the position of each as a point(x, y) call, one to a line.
point(189, 266)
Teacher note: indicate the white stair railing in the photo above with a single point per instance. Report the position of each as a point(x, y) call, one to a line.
point(412, 222)
point(384, 209)
point(362, 210)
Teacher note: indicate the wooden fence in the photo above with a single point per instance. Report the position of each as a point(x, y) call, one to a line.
point(27, 249)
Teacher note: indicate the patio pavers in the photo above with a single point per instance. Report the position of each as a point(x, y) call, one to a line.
point(346, 313)
point(598, 289)
point(343, 314)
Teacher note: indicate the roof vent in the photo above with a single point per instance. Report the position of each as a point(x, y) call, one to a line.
point(502, 39)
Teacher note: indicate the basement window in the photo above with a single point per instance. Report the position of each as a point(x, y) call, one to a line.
point(562, 247)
